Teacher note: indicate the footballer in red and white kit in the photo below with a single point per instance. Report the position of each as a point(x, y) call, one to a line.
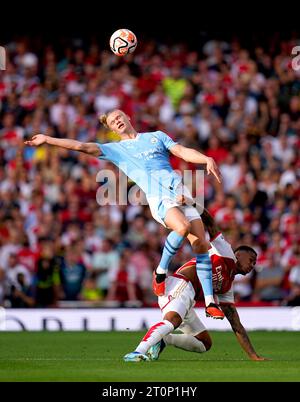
point(225, 265)
point(181, 291)
point(183, 287)
point(224, 268)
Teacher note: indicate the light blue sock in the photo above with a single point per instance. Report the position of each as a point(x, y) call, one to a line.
point(172, 245)
point(204, 272)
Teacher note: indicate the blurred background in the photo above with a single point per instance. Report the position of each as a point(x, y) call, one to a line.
point(233, 96)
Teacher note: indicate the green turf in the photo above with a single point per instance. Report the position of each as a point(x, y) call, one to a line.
point(97, 356)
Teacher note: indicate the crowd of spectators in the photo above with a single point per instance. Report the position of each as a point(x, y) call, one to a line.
point(240, 105)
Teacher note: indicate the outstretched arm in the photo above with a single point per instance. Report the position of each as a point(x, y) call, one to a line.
point(240, 332)
point(87, 147)
point(210, 224)
point(191, 155)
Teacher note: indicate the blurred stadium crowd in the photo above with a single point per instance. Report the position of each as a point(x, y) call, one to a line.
point(240, 105)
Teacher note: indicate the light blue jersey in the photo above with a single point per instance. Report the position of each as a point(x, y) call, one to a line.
point(145, 160)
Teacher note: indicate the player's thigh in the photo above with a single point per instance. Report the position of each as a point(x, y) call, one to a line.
point(192, 325)
point(176, 220)
point(173, 306)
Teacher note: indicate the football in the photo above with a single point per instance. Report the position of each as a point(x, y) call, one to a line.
point(122, 42)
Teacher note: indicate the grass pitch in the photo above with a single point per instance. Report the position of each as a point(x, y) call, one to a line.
point(97, 356)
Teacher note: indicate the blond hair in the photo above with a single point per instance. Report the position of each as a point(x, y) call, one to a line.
point(103, 117)
point(103, 120)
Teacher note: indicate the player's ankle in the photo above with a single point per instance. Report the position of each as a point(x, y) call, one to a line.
point(160, 277)
point(208, 300)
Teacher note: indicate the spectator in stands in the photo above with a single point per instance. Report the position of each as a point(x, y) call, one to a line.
point(103, 263)
point(293, 271)
point(47, 281)
point(294, 279)
point(20, 294)
point(2, 287)
point(14, 269)
point(243, 287)
point(123, 282)
point(269, 280)
point(72, 273)
point(143, 261)
point(174, 85)
point(90, 292)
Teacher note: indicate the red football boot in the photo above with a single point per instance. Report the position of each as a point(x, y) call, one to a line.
point(158, 284)
point(214, 311)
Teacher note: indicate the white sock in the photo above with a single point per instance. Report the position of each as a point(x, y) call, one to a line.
point(154, 335)
point(160, 270)
point(186, 342)
point(209, 299)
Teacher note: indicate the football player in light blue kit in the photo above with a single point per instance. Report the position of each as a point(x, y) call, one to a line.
point(144, 158)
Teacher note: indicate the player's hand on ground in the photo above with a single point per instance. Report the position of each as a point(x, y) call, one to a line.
point(259, 358)
point(212, 167)
point(36, 140)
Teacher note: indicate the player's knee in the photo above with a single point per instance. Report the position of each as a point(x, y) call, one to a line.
point(184, 228)
point(174, 318)
point(199, 246)
point(207, 343)
point(205, 338)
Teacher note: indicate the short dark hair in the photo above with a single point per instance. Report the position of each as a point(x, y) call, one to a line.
point(244, 247)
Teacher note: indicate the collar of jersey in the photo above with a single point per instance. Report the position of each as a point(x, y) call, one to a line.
point(133, 139)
